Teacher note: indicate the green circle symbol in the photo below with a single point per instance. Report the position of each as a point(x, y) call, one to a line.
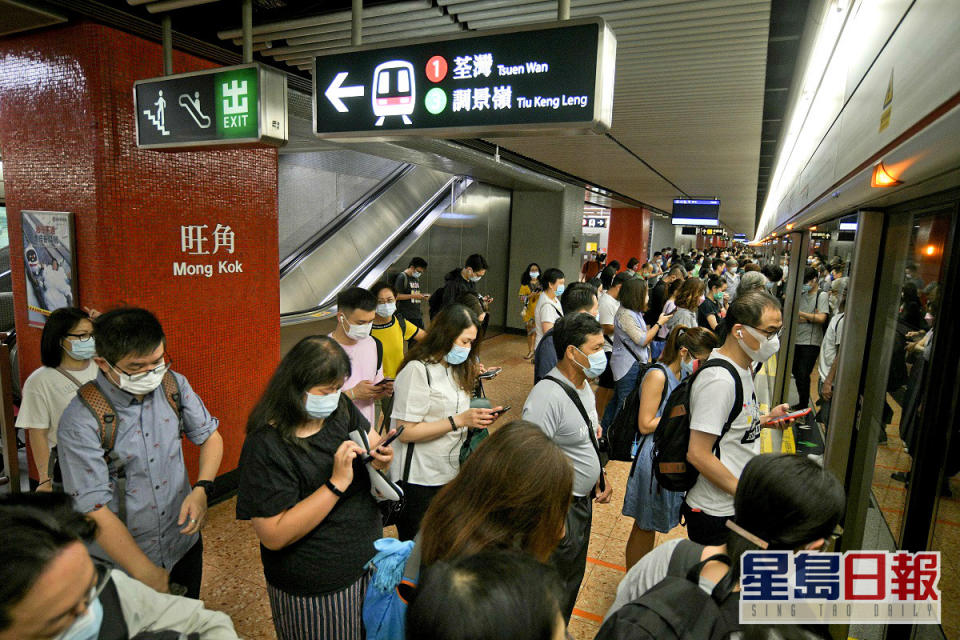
point(435, 101)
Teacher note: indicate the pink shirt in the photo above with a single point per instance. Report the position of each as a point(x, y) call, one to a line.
point(363, 366)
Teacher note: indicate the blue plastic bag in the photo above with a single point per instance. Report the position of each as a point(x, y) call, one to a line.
point(384, 611)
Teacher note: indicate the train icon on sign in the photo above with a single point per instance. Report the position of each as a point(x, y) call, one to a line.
point(394, 91)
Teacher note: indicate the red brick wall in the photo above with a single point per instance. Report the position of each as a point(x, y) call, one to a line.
point(628, 236)
point(68, 142)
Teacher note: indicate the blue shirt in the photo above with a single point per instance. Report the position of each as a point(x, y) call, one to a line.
point(544, 358)
point(148, 440)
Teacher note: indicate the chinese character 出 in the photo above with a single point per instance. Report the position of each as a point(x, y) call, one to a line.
point(481, 98)
point(502, 97)
point(765, 575)
point(192, 239)
point(462, 69)
point(482, 64)
point(223, 238)
point(461, 100)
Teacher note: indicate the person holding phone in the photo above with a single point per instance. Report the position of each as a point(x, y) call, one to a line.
point(305, 490)
point(432, 402)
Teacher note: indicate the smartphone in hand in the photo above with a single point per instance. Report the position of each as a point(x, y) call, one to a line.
point(369, 457)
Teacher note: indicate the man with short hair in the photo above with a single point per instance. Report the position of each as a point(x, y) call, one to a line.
point(609, 304)
point(911, 276)
point(732, 278)
point(409, 296)
point(50, 588)
point(562, 405)
point(148, 517)
point(754, 320)
point(464, 280)
point(829, 349)
point(356, 310)
point(814, 305)
point(579, 297)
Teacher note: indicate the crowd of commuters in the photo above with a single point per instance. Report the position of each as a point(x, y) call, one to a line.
point(505, 520)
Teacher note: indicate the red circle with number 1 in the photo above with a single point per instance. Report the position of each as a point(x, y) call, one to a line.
point(436, 68)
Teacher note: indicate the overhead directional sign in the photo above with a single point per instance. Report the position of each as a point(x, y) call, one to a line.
point(550, 77)
point(225, 106)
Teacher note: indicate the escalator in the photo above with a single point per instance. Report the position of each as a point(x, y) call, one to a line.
point(358, 245)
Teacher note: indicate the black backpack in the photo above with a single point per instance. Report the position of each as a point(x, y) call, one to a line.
point(676, 607)
point(624, 432)
point(672, 437)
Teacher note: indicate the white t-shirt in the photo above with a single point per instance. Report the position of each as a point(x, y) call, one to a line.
point(830, 345)
point(711, 399)
point(436, 462)
point(547, 311)
point(608, 310)
point(46, 393)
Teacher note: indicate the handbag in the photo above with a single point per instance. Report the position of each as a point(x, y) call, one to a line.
point(388, 495)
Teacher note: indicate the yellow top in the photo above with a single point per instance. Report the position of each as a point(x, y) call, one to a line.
point(393, 340)
point(529, 297)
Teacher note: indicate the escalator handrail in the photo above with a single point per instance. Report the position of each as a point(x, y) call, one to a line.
point(291, 262)
point(428, 207)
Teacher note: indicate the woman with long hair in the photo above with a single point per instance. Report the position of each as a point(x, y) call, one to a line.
point(529, 290)
point(432, 403)
point(304, 487)
point(653, 508)
point(67, 348)
point(770, 513)
point(512, 493)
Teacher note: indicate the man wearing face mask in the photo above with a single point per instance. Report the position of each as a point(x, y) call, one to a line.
point(754, 321)
point(409, 296)
point(148, 516)
point(356, 310)
point(814, 306)
point(563, 406)
point(51, 588)
point(579, 297)
point(463, 280)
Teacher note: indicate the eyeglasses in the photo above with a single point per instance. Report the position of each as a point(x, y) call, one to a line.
point(769, 334)
point(81, 337)
point(140, 375)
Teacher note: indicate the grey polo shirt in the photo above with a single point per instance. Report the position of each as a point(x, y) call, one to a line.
point(148, 439)
point(809, 333)
point(549, 407)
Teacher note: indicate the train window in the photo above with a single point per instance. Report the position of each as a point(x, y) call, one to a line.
point(403, 81)
point(383, 83)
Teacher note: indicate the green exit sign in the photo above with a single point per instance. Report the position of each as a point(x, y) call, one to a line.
point(246, 104)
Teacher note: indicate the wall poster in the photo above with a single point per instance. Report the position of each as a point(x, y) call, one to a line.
point(49, 263)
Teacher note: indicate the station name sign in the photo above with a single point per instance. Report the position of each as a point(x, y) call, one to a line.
point(530, 79)
point(245, 104)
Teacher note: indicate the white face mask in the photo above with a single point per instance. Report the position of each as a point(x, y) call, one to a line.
point(768, 346)
point(140, 384)
point(386, 309)
point(358, 331)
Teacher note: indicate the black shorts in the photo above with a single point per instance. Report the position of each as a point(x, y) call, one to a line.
point(703, 528)
point(606, 380)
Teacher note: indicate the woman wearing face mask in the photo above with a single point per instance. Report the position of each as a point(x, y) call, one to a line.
point(529, 294)
point(432, 403)
point(548, 309)
point(688, 301)
point(710, 311)
point(655, 509)
point(66, 351)
point(393, 331)
point(304, 487)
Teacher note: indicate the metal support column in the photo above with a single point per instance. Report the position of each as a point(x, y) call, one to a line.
point(166, 29)
point(563, 9)
point(356, 25)
point(247, 26)
point(799, 248)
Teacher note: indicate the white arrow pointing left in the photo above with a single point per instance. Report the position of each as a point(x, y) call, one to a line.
point(336, 91)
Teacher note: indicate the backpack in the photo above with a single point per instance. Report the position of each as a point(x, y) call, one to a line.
point(103, 410)
point(624, 434)
point(676, 607)
point(672, 436)
point(395, 572)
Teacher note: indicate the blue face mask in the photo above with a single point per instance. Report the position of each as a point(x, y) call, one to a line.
point(686, 368)
point(81, 349)
point(806, 288)
point(534, 275)
point(598, 363)
point(320, 407)
point(87, 626)
point(560, 289)
point(457, 355)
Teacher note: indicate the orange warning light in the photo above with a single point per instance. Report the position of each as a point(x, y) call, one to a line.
point(789, 227)
point(930, 250)
point(813, 228)
point(881, 178)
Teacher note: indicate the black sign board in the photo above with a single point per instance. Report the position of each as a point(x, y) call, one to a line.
point(225, 106)
point(534, 78)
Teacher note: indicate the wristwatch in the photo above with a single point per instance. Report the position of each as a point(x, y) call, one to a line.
point(207, 486)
